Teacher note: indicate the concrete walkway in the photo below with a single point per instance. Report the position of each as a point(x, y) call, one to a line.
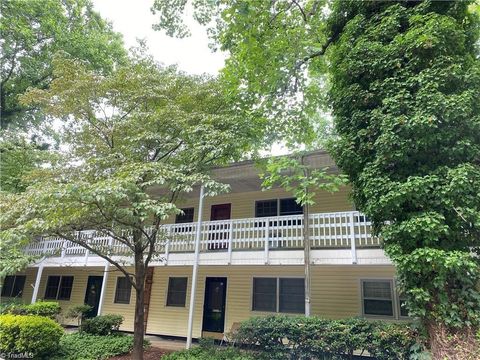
point(169, 344)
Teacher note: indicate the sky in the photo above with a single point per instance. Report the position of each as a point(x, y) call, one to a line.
point(133, 19)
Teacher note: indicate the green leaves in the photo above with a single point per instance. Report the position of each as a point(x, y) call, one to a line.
point(405, 91)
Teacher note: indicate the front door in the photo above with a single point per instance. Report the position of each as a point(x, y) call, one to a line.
point(92, 294)
point(214, 304)
point(219, 232)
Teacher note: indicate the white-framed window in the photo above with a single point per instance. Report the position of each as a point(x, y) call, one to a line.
point(380, 298)
point(177, 291)
point(377, 297)
point(284, 295)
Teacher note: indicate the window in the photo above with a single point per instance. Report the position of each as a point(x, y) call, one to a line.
point(264, 208)
point(276, 207)
point(264, 294)
point(292, 295)
point(59, 287)
point(290, 207)
point(286, 295)
point(377, 297)
point(177, 291)
point(123, 290)
point(13, 286)
point(186, 217)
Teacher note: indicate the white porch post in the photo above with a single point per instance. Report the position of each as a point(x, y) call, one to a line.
point(306, 257)
point(352, 236)
point(105, 279)
point(193, 289)
point(37, 283)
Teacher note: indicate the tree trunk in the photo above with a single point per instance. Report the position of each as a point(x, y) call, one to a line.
point(138, 327)
point(457, 344)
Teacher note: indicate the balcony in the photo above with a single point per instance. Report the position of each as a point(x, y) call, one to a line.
point(338, 237)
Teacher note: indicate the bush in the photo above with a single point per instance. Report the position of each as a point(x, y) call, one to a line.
point(33, 334)
point(102, 325)
point(48, 309)
point(299, 337)
point(78, 312)
point(208, 353)
point(92, 347)
point(43, 308)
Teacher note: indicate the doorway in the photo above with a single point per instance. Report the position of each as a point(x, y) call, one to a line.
point(214, 304)
point(219, 232)
point(92, 294)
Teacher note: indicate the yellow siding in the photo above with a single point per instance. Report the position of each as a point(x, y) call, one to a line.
point(336, 289)
point(335, 293)
point(243, 204)
point(110, 307)
point(80, 278)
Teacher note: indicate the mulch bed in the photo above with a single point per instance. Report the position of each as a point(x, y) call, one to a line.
point(152, 353)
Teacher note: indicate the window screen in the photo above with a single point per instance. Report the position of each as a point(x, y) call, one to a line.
point(290, 207)
point(13, 286)
point(292, 295)
point(264, 294)
point(123, 290)
point(377, 297)
point(177, 291)
point(186, 217)
point(51, 290)
point(65, 290)
point(265, 208)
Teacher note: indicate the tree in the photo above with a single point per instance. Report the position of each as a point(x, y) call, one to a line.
point(32, 32)
point(405, 90)
point(135, 141)
point(403, 84)
point(303, 181)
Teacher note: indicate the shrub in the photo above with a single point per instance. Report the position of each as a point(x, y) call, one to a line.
point(299, 337)
point(43, 308)
point(78, 312)
point(48, 309)
point(33, 334)
point(208, 353)
point(102, 325)
point(8, 306)
point(92, 347)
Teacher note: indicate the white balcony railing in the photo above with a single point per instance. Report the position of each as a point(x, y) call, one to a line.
point(335, 230)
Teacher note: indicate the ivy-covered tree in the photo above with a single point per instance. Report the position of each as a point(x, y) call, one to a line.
point(134, 141)
point(405, 97)
point(403, 85)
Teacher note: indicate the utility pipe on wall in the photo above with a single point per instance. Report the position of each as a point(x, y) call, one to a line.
point(193, 289)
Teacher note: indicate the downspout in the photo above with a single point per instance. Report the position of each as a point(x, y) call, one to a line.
point(193, 289)
point(306, 247)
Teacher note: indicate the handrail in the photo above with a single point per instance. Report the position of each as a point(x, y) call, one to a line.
point(333, 230)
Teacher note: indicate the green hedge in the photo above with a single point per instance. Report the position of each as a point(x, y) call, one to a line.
point(299, 337)
point(92, 347)
point(41, 308)
point(102, 325)
point(208, 353)
point(33, 334)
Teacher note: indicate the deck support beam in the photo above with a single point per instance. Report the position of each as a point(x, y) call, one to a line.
point(193, 289)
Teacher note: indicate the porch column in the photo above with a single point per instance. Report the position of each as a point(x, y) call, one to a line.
point(105, 280)
point(37, 282)
point(306, 257)
point(193, 288)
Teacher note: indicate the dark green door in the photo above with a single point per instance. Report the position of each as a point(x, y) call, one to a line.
point(92, 294)
point(214, 304)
